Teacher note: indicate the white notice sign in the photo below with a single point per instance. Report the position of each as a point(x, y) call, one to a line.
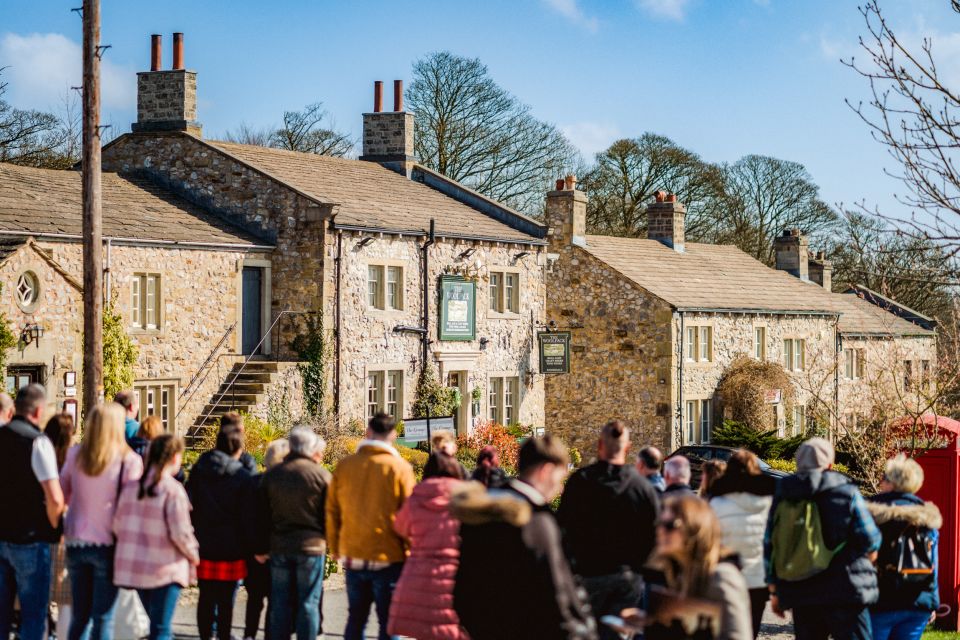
point(415, 430)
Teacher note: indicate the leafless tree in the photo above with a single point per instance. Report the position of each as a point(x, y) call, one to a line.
point(916, 272)
point(307, 131)
point(767, 195)
point(472, 130)
point(31, 138)
point(915, 115)
point(249, 134)
point(629, 172)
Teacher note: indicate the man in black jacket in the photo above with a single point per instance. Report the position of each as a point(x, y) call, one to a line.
point(514, 581)
point(608, 517)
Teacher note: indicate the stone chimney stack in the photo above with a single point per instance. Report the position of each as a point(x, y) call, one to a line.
point(665, 220)
point(821, 270)
point(566, 214)
point(792, 251)
point(167, 100)
point(388, 135)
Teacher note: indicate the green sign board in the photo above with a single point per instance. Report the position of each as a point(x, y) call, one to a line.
point(554, 351)
point(458, 309)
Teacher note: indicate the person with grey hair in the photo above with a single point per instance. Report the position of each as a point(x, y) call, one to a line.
point(6, 408)
point(831, 596)
point(32, 505)
point(293, 498)
point(676, 475)
point(908, 590)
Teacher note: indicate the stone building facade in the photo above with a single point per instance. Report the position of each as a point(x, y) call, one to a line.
point(173, 272)
point(655, 323)
point(348, 235)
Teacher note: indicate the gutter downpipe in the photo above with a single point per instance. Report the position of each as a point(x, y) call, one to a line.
point(683, 334)
point(106, 275)
point(425, 337)
point(336, 329)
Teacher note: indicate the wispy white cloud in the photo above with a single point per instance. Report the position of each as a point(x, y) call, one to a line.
point(41, 68)
point(590, 137)
point(667, 9)
point(572, 11)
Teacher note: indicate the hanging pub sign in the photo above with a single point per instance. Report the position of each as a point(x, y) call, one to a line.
point(554, 351)
point(458, 308)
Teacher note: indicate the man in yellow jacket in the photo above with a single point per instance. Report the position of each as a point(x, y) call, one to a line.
point(367, 490)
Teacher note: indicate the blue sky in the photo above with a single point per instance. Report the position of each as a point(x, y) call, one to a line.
point(721, 77)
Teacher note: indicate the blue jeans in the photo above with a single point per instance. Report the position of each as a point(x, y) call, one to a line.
point(92, 590)
point(899, 625)
point(25, 573)
point(160, 603)
point(365, 587)
point(296, 582)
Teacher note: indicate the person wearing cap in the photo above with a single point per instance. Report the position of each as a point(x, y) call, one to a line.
point(835, 601)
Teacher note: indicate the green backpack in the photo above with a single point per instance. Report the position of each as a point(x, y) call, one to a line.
point(798, 550)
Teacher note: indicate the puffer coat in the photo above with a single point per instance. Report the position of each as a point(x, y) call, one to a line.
point(422, 603)
point(743, 519)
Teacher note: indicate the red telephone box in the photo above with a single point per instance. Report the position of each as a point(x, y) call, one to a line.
point(941, 471)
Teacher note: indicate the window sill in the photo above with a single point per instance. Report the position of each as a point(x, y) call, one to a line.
point(503, 315)
point(136, 331)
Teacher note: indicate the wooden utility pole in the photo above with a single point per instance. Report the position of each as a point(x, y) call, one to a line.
point(92, 231)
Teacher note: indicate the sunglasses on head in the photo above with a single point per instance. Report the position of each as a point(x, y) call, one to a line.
point(670, 525)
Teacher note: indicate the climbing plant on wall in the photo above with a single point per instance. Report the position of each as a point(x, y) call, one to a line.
point(119, 352)
point(8, 339)
point(312, 349)
point(433, 396)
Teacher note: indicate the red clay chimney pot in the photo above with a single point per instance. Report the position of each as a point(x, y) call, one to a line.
point(398, 95)
point(156, 41)
point(570, 182)
point(671, 197)
point(177, 51)
point(378, 96)
point(660, 196)
point(560, 184)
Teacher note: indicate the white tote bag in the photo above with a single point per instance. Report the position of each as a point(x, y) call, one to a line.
point(130, 621)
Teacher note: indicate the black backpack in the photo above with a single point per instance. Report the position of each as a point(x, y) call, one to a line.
point(905, 562)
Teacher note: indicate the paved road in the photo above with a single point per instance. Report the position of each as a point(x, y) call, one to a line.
point(335, 616)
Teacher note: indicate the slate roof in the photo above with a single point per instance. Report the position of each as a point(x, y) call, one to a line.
point(9, 246)
point(46, 201)
point(724, 278)
point(370, 195)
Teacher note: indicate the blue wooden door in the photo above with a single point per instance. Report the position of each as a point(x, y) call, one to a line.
point(252, 324)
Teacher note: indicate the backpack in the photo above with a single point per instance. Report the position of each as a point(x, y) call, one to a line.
point(906, 562)
point(798, 549)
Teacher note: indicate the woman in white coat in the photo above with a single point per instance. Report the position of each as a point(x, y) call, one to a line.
point(741, 499)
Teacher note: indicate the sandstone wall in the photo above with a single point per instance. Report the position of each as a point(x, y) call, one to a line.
point(368, 338)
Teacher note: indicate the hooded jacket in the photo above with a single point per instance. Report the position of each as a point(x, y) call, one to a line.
point(221, 491)
point(851, 579)
point(743, 519)
point(514, 582)
point(893, 511)
point(607, 515)
point(422, 603)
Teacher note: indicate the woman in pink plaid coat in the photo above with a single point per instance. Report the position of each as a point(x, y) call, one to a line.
point(156, 550)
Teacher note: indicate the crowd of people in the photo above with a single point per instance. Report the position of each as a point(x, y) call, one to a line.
point(632, 549)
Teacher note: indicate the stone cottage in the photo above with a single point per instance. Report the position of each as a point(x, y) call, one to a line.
point(173, 272)
point(656, 322)
point(405, 266)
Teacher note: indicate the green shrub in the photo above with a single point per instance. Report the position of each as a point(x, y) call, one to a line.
point(417, 459)
point(433, 397)
point(766, 444)
point(790, 466)
point(467, 457)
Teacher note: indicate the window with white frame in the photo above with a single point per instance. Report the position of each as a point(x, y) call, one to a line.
point(699, 344)
point(760, 343)
point(145, 301)
point(799, 419)
point(504, 400)
point(385, 393)
point(854, 363)
point(158, 399)
point(698, 420)
point(505, 291)
point(794, 354)
point(384, 286)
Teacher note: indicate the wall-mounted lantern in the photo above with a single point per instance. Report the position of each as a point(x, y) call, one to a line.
point(31, 333)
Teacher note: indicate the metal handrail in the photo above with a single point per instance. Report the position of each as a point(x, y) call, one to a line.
point(236, 374)
point(193, 385)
